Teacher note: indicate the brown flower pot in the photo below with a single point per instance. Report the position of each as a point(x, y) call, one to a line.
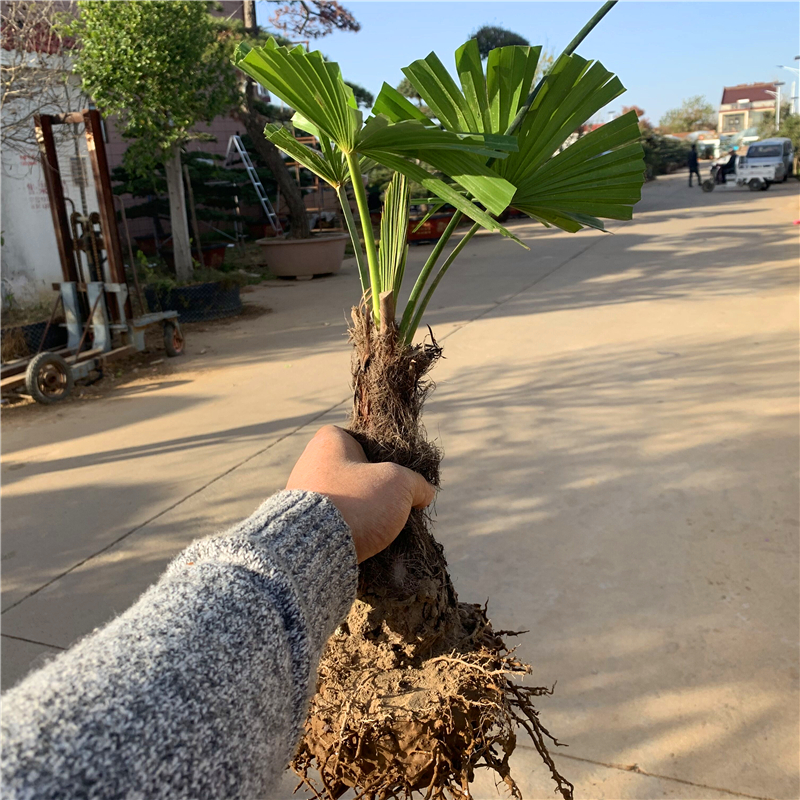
point(299, 258)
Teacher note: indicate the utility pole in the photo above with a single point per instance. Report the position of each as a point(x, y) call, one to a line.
point(249, 13)
point(778, 85)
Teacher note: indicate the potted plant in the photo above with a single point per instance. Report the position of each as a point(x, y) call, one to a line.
point(455, 704)
point(296, 251)
point(210, 292)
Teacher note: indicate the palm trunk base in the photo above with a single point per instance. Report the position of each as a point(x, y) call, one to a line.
point(415, 689)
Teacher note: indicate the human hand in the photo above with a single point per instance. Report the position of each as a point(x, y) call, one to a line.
point(374, 499)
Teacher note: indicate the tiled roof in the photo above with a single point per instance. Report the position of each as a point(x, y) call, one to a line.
point(754, 92)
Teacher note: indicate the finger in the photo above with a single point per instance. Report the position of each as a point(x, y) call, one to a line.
point(340, 444)
point(422, 493)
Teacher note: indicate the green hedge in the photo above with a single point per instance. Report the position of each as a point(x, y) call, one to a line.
point(663, 155)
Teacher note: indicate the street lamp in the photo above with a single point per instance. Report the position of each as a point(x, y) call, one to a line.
point(777, 96)
point(793, 98)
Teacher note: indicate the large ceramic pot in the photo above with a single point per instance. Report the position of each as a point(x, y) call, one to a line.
point(304, 258)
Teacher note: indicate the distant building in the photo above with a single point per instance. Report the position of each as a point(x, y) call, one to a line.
point(744, 106)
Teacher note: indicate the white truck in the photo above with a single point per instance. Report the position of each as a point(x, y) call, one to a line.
point(768, 161)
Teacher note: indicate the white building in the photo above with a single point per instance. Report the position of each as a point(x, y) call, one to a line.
point(745, 106)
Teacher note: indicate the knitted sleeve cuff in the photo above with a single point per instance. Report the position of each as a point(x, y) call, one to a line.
point(301, 535)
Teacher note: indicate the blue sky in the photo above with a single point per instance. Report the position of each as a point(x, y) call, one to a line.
point(662, 51)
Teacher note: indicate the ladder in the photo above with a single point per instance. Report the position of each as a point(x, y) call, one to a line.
point(235, 145)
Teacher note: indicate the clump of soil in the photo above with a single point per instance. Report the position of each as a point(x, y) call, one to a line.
point(415, 689)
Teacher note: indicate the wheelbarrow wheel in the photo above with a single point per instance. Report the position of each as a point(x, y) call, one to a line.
point(48, 378)
point(174, 342)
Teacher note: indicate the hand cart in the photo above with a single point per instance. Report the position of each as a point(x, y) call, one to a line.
point(94, 293)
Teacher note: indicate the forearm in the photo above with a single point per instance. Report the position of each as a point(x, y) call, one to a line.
point(200, 689)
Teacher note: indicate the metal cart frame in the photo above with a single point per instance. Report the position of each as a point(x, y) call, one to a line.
point(97, 308)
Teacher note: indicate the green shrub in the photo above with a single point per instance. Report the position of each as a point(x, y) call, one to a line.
point(663, 155)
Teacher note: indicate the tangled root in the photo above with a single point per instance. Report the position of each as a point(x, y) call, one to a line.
point(388, 727)
point(415, 690)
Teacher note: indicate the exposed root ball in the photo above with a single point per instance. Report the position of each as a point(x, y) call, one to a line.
point(388, 727)
point(415, 689)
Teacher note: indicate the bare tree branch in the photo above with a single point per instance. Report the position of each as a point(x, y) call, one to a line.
point(35, 70)
point(313, 18)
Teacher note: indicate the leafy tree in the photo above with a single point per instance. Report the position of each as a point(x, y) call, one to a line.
point(313, 18)
point(767, 127)
point(364, 98)
point(644, 123)
point(491, 36)
point(157, 65)
point(694, 114)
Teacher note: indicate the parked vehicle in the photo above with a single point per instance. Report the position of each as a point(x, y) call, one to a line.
point(777, 154)
point(757, 177)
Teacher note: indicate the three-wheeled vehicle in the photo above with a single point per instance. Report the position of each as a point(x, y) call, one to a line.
point(757, 177)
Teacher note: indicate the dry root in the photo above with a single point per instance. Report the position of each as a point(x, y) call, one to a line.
point(388, 726)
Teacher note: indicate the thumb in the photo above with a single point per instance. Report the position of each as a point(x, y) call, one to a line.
point(422, 492)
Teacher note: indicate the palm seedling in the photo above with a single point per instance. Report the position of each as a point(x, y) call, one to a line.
point(416, 690)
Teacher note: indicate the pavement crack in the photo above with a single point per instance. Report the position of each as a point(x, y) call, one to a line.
point(32, 641)
point(639, 771)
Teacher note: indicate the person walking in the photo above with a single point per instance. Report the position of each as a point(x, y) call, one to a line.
point(693, 167)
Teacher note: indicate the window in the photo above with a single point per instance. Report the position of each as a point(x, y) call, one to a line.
point(731, 123)
point(764, 151)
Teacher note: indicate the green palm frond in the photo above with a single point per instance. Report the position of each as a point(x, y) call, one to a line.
point(571, 189)
point(393, 246)
point(326, 108)
point(309, 84)
point(330, 165)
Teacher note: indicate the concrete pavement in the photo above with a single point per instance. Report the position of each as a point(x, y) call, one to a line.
point(619, 419)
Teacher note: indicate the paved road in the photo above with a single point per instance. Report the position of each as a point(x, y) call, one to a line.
point(619, 418)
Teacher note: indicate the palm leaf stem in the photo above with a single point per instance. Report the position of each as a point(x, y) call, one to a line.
point(409, 335)
point(427, 269)
point(352, 229)
point(369, 237)
point(570, 49)
point(588, 27)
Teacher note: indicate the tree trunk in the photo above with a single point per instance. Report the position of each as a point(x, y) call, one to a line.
point(408, 582)
point(249, 14)
point(290, 192)
point(179, 222)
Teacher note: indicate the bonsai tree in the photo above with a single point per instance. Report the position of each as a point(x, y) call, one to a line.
point(215, 188)
point(157, 65)
point(297, 18)
point(416, 689)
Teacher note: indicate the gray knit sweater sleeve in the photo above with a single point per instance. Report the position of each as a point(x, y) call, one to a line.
point(200, 689)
